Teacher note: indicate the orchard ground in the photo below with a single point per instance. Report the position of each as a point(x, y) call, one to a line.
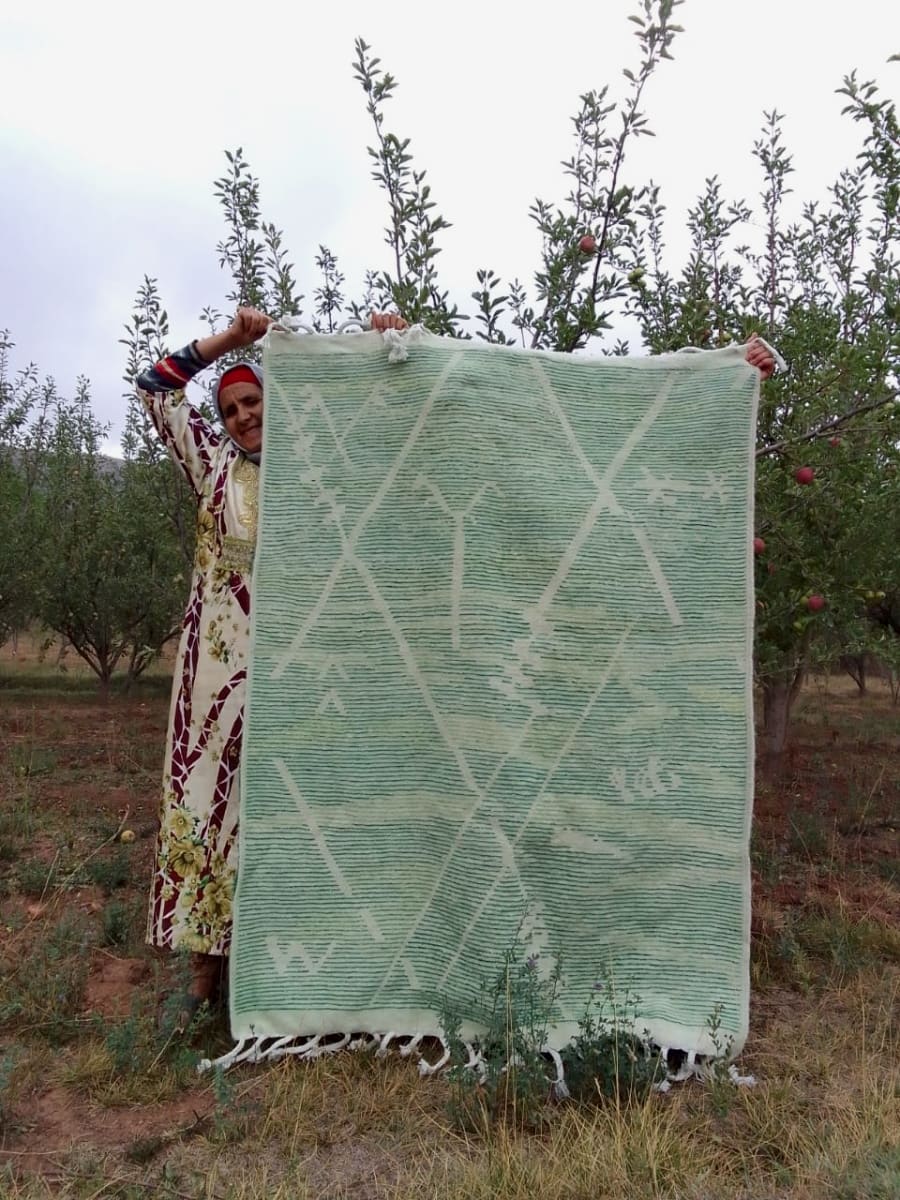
point(94, 1103)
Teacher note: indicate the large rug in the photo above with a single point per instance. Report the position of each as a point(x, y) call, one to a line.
point(501, 687)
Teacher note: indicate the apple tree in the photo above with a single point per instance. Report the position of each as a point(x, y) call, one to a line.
point(87, 553)
point(822, 286)
point(22, 398)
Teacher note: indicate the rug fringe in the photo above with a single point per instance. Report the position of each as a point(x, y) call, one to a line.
point(384, 1045)
point(475, 1062)
point(558, 1087)
point(256, 1050)
point(397, 341)
point(411, 1046)
point(427, 1068)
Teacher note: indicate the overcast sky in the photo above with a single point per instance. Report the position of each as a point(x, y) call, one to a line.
point(115, 117)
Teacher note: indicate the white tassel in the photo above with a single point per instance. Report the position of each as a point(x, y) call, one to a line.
point(302, 1047)
point(685, 1071)
point(411, 1046)
point(291, 325)
point(427, 1068)
point(559, 1087)
point(297, 1047)
point(238, 1053)
point(385, 1043)
point(335, 1047)
point(739, 1080)
point(364, 1042)
point(475, 1062)
point(275, 1049)
point(399, 341)
point(316, 1047)
point(394, 340)
point(702, 1067)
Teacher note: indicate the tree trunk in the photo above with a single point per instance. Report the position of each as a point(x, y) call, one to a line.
point(776, 711)
point(779, 694)
point(855, 666)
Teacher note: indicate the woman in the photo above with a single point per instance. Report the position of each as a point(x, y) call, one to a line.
point(196, 860)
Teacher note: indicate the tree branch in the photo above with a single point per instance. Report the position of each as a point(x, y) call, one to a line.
point(821, 430)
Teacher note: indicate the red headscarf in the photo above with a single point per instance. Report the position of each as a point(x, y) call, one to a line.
point(239, 374)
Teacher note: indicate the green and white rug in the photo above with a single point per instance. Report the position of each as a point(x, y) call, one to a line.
point(501, 687)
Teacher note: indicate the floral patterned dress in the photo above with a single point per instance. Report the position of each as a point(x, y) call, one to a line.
point(196, 858)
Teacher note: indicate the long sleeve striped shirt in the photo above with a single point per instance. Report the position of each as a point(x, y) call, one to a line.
point(174, 372)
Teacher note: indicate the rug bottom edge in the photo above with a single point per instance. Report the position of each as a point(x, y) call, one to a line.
point(420, 1024)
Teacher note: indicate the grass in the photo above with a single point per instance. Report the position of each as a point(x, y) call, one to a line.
point(96, 1103)
point(44, 990)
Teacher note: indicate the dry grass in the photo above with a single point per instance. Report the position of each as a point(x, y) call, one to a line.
point(822, 1122)
point(94, 1104)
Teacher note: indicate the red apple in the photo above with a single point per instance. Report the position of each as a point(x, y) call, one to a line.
point(588, 244)
point(835, 442)
point(759, 546)
point(815, 603)
point(804, 475)
point(770, 567)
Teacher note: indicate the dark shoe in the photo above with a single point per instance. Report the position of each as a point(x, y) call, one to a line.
point(201, 988)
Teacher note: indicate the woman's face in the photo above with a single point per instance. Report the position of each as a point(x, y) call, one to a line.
point(242, 412)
